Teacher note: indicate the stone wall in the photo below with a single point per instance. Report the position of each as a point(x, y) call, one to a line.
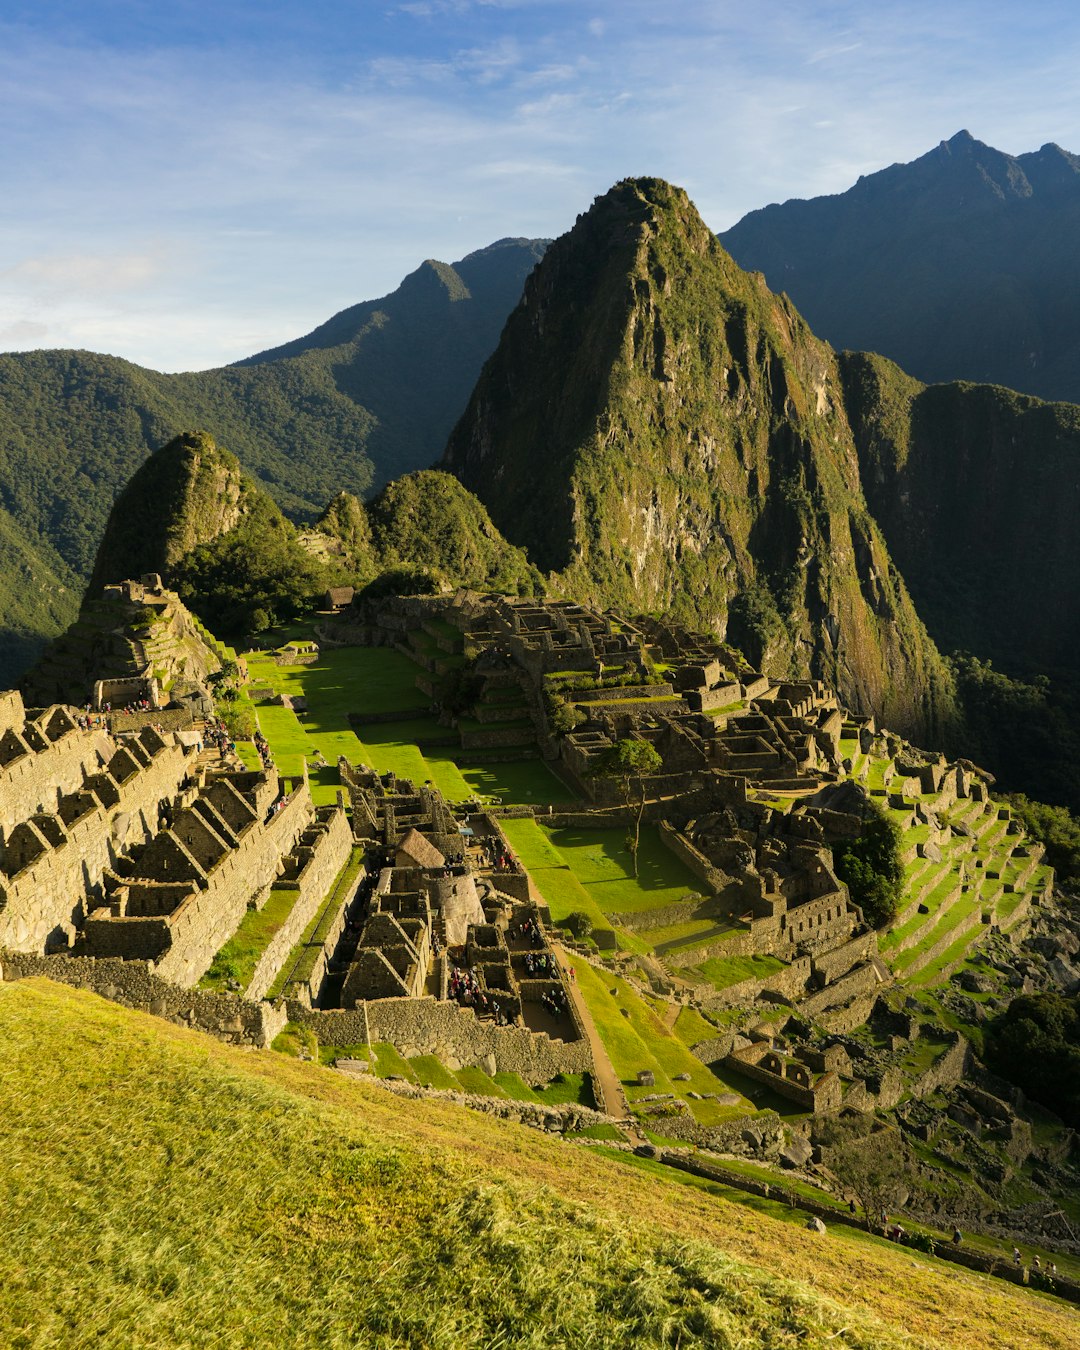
point(134, 985)
point(861, 980)
point(428, 1027)
point(12, 713)
point(37, 779)
point(330, 853)
point(829, 965)
point(713, 879)
point(552, 1119)
point(47, 900)
point(208, 918)
point(165, 719)
point(620, 693)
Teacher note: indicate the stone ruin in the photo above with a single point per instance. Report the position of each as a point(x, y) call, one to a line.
point(448, 897)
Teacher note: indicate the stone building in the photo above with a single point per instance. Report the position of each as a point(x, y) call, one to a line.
point(184, 895)
point(53, 861)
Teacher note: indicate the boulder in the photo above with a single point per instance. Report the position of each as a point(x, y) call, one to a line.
point(815, 1225)
point(796, 1153)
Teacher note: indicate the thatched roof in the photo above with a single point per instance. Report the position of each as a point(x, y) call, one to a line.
point(420, 851)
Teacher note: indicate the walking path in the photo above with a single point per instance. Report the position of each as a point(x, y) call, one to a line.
point(611, 1088)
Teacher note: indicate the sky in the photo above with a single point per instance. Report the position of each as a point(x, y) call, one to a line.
point(187, 183)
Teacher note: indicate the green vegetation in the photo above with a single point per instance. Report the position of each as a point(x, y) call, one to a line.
point(1035, 1043)
point(602, 864)
point(1057, 828)
point(1024, 729)
point(240, 955)
point(870, 864)
point(636, 1039)
point(263, 1201)
point(630, 762)
point(429, 520)
point(723, 971)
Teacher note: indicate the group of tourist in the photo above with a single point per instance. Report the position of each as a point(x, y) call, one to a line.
point(495, 854)
point(216, 733)
point(529, 929)
point(91, 721)
point(1036, 1262)
point(540, 965)
point(555, 1002)
point(262, 745)
point(464, 988)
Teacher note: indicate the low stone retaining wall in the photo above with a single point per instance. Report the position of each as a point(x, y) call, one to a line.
point(616, 693)
point(752, 1136)
point(944, 1251)
point(552, 1119)
point(427, 1026)
point(134, 985)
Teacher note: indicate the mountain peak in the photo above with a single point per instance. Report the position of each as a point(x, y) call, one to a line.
point(187, 493)
point(667, 435)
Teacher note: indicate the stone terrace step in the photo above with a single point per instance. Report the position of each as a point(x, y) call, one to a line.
point(957, 923)
point(949, 895)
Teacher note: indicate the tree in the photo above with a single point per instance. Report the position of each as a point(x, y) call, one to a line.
point(871, 866)
point(630, 762)
point(1035, 1043)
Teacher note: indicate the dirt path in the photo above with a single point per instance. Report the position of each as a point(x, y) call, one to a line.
point(610, 1085)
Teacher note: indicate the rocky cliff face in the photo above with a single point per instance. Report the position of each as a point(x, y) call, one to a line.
point(977, 490)
point(188, 493)
point(666, 434)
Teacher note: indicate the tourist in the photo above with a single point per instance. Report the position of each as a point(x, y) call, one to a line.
point(957, 1237)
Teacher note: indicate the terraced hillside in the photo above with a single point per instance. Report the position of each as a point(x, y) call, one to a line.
point(360, 1217)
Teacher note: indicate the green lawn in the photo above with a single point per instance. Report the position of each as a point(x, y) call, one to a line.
point(239, 956)
point(723, 971)
point(604, 866)
point(526, 782)
point(388, 751)
point(691, 1027)
point(429, 1072)
point(344, 681)
point(476, 1080)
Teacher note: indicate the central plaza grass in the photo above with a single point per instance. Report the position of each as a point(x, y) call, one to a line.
point(347, 685)
point(162, 1189)
point(605, 867)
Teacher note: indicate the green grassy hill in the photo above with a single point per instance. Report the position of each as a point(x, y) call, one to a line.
point(162, 1189)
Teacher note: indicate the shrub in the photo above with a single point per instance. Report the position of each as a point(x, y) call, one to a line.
point(871, 866)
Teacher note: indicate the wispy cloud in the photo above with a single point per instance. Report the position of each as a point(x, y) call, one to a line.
point(176, 200)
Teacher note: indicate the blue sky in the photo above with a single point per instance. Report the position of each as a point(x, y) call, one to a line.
point(187, 183)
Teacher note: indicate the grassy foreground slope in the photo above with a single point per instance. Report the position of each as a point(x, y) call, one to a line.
point(162, 1189)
